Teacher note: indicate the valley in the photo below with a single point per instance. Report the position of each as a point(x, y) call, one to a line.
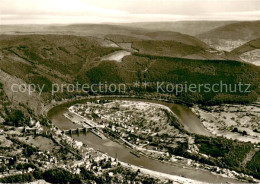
point(138, 134)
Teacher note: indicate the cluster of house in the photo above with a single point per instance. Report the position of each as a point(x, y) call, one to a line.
point(91, 158)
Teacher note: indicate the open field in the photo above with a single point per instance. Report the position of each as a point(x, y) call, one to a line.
point(237, 122)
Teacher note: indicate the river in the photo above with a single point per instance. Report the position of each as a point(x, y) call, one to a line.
point(113, 149)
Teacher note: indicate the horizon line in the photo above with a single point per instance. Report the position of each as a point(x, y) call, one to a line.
point(114, 23)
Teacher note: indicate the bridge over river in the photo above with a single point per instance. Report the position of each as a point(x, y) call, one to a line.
point(84, 129)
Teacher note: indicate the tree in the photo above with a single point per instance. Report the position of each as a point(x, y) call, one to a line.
point(244, 133)
point(15, 117)
point(28, 151)
point(60, 176)
point(235, 129)
point(2, 168)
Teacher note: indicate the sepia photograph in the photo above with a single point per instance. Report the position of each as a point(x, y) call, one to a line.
point(129, 91)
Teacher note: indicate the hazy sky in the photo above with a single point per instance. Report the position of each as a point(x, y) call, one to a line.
point(117, 11)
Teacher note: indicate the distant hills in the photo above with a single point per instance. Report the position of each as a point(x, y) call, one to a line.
point(47, 54)
point(166, 43)
point(98, 30)
point(158, 35)
point(186, 27)
point(235, 31)
point(171, 39)
point(220, 35)
point(48, 59)
point(231, 36)
point(178, 37)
